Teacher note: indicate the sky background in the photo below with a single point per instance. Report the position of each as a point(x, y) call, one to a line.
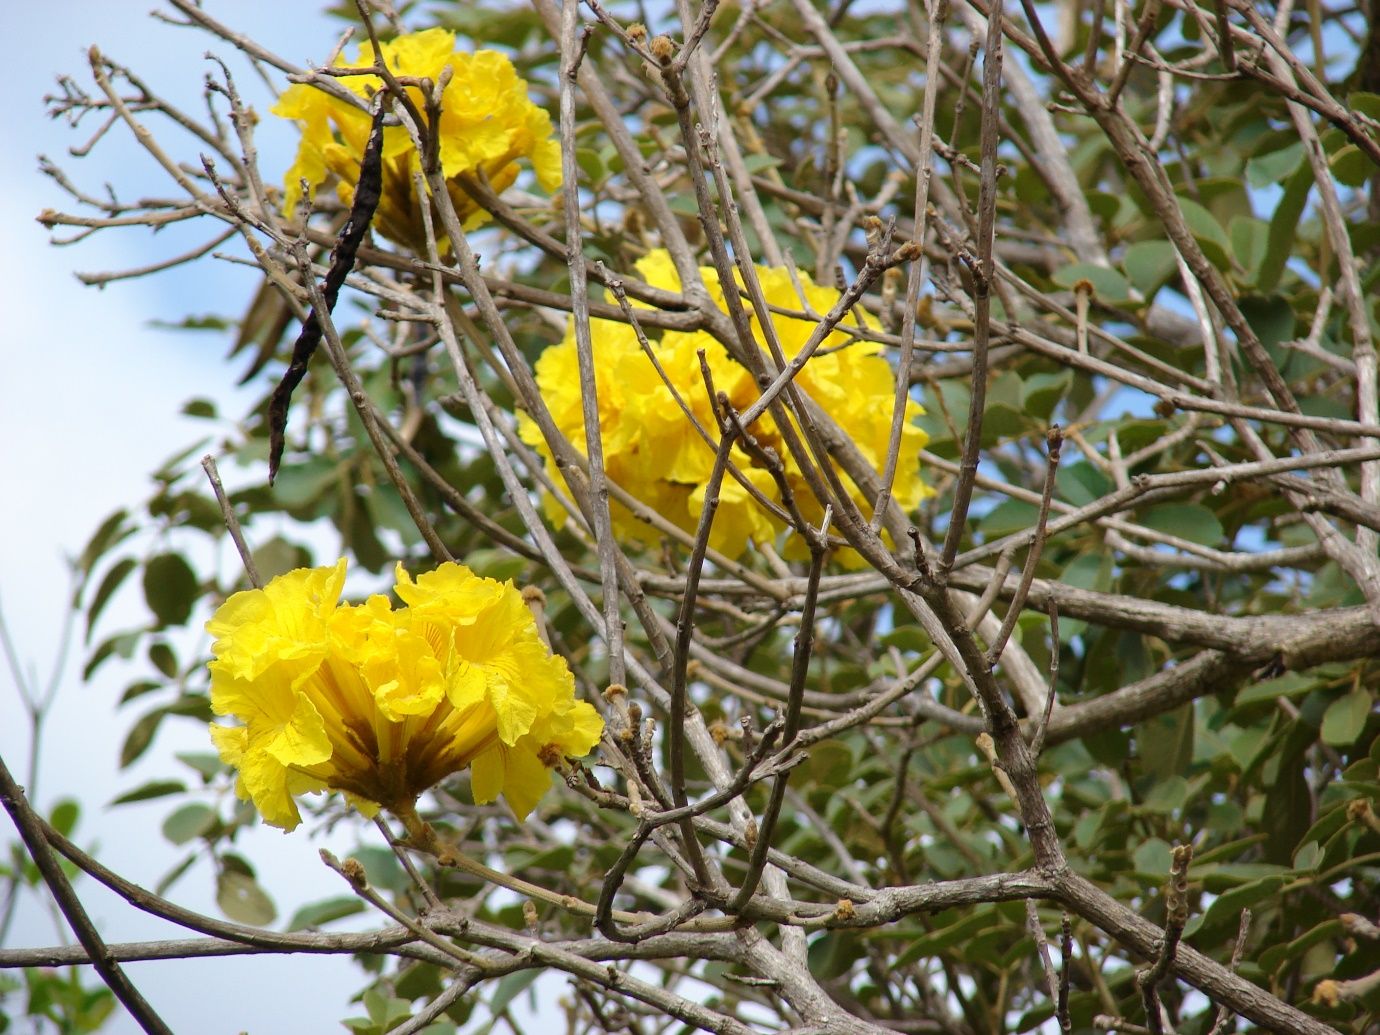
point(89, 400)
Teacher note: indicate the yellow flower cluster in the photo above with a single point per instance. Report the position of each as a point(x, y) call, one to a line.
point(381, 703)
point(652, 449)
point(487, 124)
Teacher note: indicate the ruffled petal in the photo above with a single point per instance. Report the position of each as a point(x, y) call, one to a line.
point(382, 703)
point(526, 780)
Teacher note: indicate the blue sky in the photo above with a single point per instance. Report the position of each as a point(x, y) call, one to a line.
point(89, 403)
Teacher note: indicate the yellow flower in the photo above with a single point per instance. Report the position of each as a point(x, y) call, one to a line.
point(487, 125)
point(383, 703)
point(655, 452)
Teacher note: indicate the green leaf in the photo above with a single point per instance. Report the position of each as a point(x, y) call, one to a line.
point(1001, 421)
point(64, 816)
point(152, 789)
point(206, 322)
point(684, 205)
point(1086, 829)
point(1271, 318)
point(204, 409)
point(1345, 718)
point(1207, 232)
point(298, 485)
point(176, 873)
point(1081, 483)
point(163, 658)
point(241, 899)
point(1167, 795)
point(501, 565)
point(1308, 857)
point(173, 468)
point(557, 858)
point(1250, 239)
point(140, 736)
point(314, 914)
point(1136, 434)
point(363, 541)
point(1274, 956)
point(1283, 226)
point(1291, 684)
point(195, 705)
point(945, 937)
point(1007, 517)
point(170, 587)
point(1351, 166)
point(1042, 393)
point(1263, 170)
point(1246, 746)
point(1328, 825)
point(830, 763)
point(1006, 390)
point(277, 557)
point(510, 986)
point(386, 1011)
point(591, 164)
point(1089, 570)
point(207, 763)
point(388, 510)
point(139, 688)
point(1152, 859)
point(122, 644)
point(110, 532)
point(109, 584)
point(1108, 285)
point(1226, 908)
point(376, 1005)
point(1104, 204)
point(1225, 817)
point(832, 954)
point(1165, 743)
point(189, 822)
point(381, 867)
point(1149, 265)
point(419, 980)
point(1365, 103)
point(907, 638)
point(1191, 521)
point(1289, 805)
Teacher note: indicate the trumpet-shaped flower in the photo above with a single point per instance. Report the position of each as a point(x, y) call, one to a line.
point(383, 703)
point(487, 125)
point(654, 449)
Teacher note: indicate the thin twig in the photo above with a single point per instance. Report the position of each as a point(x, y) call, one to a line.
point(984, 275)
point(232, 523)
point(368, 416)
point(572, 51)
point(1224, 1012)
point(1037, 742)
point(1061, 1010)
point(800, 665)
point(368, 191)
point(935, 10)
point(1176, 916)
point(1037, 932)
point(1054, 440)
point(685, 622)
point(31, 832)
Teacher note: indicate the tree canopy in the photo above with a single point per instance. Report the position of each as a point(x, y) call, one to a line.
point(940, 439)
